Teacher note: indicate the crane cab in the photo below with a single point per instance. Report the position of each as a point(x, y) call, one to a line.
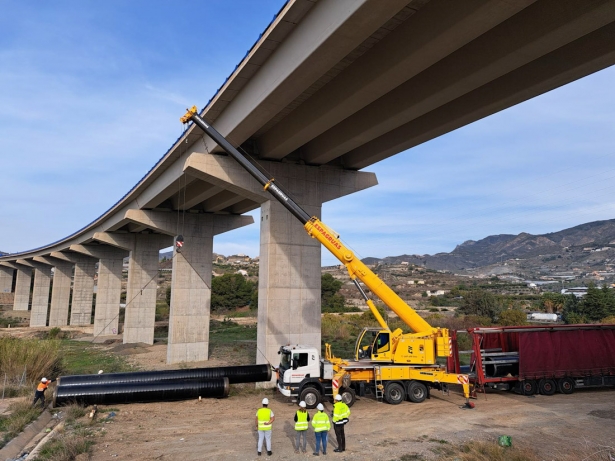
point(374, 344)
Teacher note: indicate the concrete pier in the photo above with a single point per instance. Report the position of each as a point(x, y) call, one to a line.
point(22, 286)
point(60, 290)
point(142, 281)
point(191, 283)
point(6, 279)
point(40, 292)
point(109, 288)
point(83, 286)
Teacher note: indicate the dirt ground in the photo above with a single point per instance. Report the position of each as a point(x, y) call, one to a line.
point(559, 427)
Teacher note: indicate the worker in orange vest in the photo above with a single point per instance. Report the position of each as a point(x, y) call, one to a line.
point(40, 391)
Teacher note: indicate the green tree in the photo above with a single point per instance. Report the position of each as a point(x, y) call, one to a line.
point(481, 303)
point(330, 299)
point(552, 302)
point(512, 317)
point(596, 305)
point(254, 300)
point(230, 291)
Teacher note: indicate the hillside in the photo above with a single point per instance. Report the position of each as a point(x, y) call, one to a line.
point(585, 248)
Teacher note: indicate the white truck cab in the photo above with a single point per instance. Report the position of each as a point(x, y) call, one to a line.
point(303, 374)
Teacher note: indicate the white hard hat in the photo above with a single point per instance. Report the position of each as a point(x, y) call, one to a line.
point(320, 407)
point(265, 401)
point(338, 397)
point(302, 404)
point(44, 380)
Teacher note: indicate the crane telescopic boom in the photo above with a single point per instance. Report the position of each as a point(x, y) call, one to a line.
point(320, 231)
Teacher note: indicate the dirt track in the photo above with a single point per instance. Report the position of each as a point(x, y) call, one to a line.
point(559, 427)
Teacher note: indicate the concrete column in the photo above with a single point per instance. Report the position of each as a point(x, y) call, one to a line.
point(289, 267)
point(6, 279)
point(109, 288)
point(191, 282)
point(60, 291)
point(22, 287)
point(142, 281)
point(83, 286)
point(40, 292)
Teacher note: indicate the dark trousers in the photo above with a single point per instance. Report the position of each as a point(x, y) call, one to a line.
point(39, 395)
point(340, 436)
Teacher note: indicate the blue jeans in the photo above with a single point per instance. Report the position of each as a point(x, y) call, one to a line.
point(322, 435)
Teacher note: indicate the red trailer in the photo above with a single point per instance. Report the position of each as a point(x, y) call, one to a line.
point(542, 359)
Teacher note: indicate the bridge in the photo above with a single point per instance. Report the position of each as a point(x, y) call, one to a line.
point(330, 88)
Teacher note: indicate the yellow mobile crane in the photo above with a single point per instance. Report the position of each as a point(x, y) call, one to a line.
point(387, 363)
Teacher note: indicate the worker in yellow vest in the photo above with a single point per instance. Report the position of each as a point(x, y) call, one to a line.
point(321, 425)
point(302, 418)
point(341, 412)
point(264, 422)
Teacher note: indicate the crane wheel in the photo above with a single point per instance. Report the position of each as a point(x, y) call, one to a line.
point(417, 392)
point(394, 393)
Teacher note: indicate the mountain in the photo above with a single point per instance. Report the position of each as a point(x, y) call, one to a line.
point(563, 250)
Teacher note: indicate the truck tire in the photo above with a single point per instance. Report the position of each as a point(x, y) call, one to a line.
point(547, 386)
point(394, 393)
point(311, 396)
point(565, 385)
point(348, 396)
point(528, 387)
point(417, 392)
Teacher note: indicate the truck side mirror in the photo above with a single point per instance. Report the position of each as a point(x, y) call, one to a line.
point(295, 364)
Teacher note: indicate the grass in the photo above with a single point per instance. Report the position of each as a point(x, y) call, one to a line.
point(24, 361)
point(67, 445)
point(21, 414)
point(74, 439)
point(228, 331)
point(12, 321)
point(232, 342)
point(241, 314)
point(79, 358)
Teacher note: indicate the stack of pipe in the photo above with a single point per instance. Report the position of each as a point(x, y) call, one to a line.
point(155, 386)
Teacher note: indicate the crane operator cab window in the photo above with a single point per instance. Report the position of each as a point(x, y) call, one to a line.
point(382, 343)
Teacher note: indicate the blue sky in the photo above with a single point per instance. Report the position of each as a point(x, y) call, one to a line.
point(91, 92)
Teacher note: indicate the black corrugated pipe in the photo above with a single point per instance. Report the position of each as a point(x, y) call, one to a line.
point(110, 394)
point(235, 375)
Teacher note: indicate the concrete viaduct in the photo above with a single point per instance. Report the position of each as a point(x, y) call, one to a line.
point(330, 87)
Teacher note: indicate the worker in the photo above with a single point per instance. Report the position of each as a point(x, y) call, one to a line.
point(264, 421)
point(321, 425)
point(302, 418)
point(340, 413)
point(40, 391)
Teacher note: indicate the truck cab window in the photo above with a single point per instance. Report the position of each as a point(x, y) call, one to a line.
point(300, 360)
point(285, 361)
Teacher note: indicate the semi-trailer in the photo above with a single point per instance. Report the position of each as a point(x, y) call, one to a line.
point(539, 359)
